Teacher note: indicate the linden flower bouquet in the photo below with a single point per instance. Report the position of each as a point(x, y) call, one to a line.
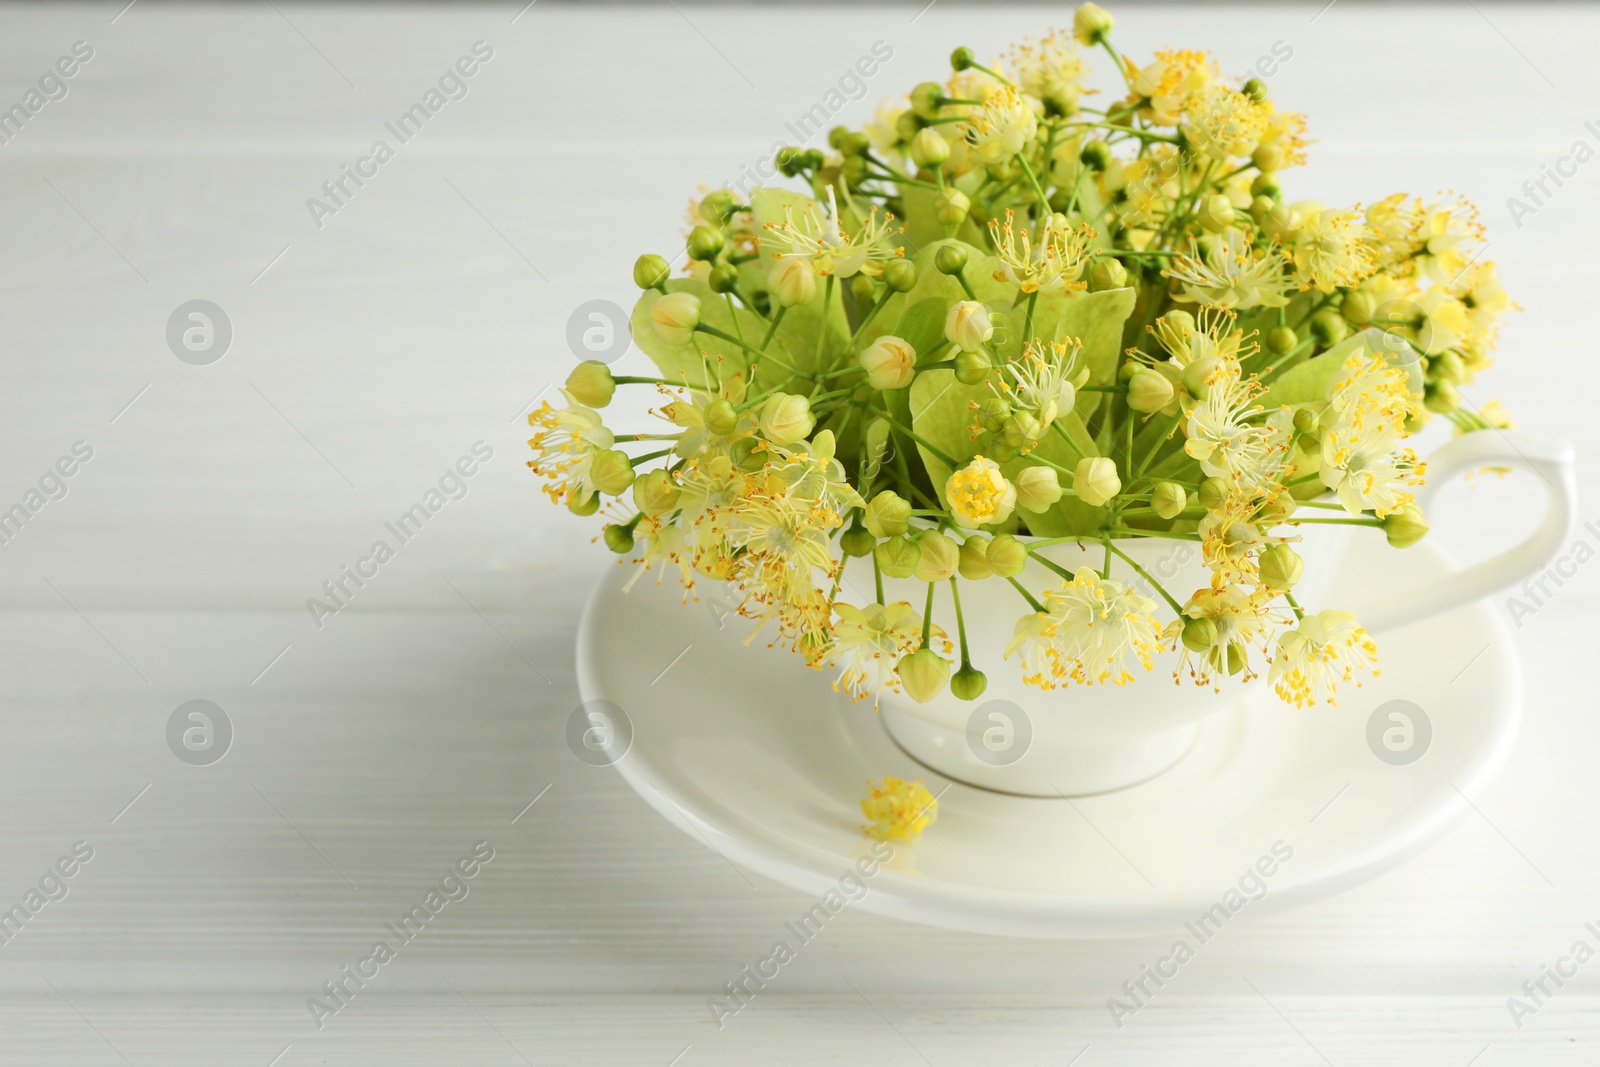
point(1001, 318)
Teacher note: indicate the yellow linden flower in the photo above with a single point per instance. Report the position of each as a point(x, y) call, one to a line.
point(1242, 620)
point(1325, 649)
point(979, 494)
point(884, 126)
point(1002, 126)
point(1225, 123)
point(1330, 251)
point(899, 810)
point(1226, 272)
point(1041, 381)
point(1056, 264)
point(1447, 234)
point(869, 642)
point(1165, 87)
point(565, 443)
point(1283, 142)
point(1051, 70)
point(817, 234)
point(1095, 624)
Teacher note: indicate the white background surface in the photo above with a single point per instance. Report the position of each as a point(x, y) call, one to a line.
point(423, 317)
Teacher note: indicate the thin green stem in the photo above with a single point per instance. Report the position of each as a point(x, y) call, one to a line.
point(1026, 595)
point(773, 329)
point(1141, 572)
point(1033, 179)
point(961, 623)
point(927, 618)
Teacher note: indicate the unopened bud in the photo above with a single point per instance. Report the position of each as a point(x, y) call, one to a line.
point(1281, 340)
point(900, 275)
point(675, 316)
point(887, 514)
point(1149, 390)
point(1091, 24)
point(929, 148)
point(857, 542)
point(1038, 488)
point(1108, 274)
point(583, 505)
point(951, 258)
point(897, 556)
point(1006, 555)
point(720, 417)
point(716, 207)
point(938, 559)
point(926, 99)
point(961, 59)
point(1169, 500)
point(786, 418)
point(611, 471)
point(863, 288)
point(968, 683)
point(1270, 156)
point(974, 561)
point(590, 383)
point(1096, 155)
point(1216, 213)
point(1199, 635)
point(1213, 491)
point(890, 363)
point(619, 539)
point(1359, 307)
point(923, 674)
point(1021, 428)
point(724, 278)
point(1328, 327)
point(1095, 480)
point(1266, 185)
point(972, 367)
point(705, 242)
point(654, 493)
point(1405, 527)
point(651, 272)
point(967, 325)
point(1255, 89)
point(792, 281)
point(1281, 567)
point(950, 207)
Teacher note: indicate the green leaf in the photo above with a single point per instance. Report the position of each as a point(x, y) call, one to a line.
point(687, 362)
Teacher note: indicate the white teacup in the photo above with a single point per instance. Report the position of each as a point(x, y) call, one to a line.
point(1085, 739)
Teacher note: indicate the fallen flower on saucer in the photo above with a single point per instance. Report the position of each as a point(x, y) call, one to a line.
point(899, 810)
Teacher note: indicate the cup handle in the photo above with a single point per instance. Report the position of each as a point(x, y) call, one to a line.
point(1549, 460)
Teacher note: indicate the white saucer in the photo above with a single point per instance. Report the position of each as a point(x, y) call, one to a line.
point(757, 757)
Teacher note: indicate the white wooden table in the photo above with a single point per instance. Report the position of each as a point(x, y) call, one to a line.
point(424, 316)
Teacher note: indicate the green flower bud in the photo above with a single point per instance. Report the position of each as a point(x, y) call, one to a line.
point(900, 275)
point(950, 207)
point(886, 514)
point(939, 558)
point(792, 281)
point(863, 289)
point(583, 505)
point(1281, 567)
point(993, 411)
point(655, 494)
point(611, 471)
point(717, 206)
point(724, 277)
point(1107, 274)
point(1216, 213)
point(1255, 89)
point(907, 125)
point(1281, 340)
point(1006, 555)
point(1213, 491)
point(1270, 156)
point(1266, 185)
point(1038, 488)
point(1021, 428)
point(1197, 376)
point(786, 418)
point(651, 272)
point(619, 539)
point(1305, 421)
point(590, 383)
point(897, 556)
point(1148, 390)
point(1169, 500)
point(950, 259)
point(972, 368)
point(968, 683)
point(854, 143)
point(1091, 24)
point(705, 242)
point(1441, 397)
point(837, 135)
point(675, 316)
point(961, 59)
point(926, 99)
point(1447, 366)
point(1096, 155)
point(974, 562)
point(1405, 527)
point(923, 674)
point(788, 161)
point(857, 542)
point(853, 169)
point(813, 159)
point(1095, 480)
point(1328, 327)
point(720, 417)
point(929, 148)
point(1359, 307)
point(1199, 635)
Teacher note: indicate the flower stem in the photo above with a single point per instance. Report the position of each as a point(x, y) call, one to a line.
point(773, 329)
point(1027, 595)
point(927, 618)
point(1176, 607)
point(961, 624)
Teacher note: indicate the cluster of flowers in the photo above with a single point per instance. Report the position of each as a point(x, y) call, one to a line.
point(1001, 319)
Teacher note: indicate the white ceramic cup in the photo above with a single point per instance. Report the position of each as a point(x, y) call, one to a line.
point(1085, 739)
